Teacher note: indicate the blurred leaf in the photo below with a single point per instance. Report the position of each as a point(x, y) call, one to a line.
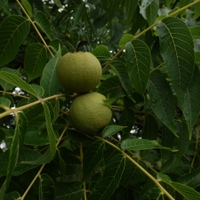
point(28, 7)
point(55, 44)
point(111, 130)
point(68, 191)
point(195, 31)
point(138, 60)
point(4, 102)
point(191, 179)
point(12, 196)
point(35, 60)
point(196, 11)
point(149, 10)
point(162, 100)
point(46, 187)
point(187, 192)
point(17, 81)
point(177, 51)
point(79, 13)
point(2, 3)
point(111, 87)
point(191, 104)
point(101, 52)
point(43, 23)
point(130, 6)
point(13, 30)
point(50, 131)
point(111, 7)
point(110, 179)
point(92, 157)
point(125, 39)
point(17, 141)
point(49, 80)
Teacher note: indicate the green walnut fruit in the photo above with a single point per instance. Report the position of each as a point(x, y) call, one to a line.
point(79, 72)
point(89, 114)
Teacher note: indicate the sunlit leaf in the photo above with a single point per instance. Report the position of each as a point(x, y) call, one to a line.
point(35, 60)
point(177, 50)
point(13, 31)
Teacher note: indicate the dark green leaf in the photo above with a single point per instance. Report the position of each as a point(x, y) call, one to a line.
point(46, 187)
point(92, 157)
point(68, 191)
point(177, 50)
point(191, 104)
point(187, 192)
point(149, 10)
point(191, 179)
point(101, 52)
point(111, 130)
point(195, 31)
point(13, 31)
point(17, 141)
point(55, 44)
point(110, 179)
point(111, 87)
point(130, 6)
point(140, 144)
point(50, 131)
point(120, 69)
point(4, 102)
point(125, 39)
point(150, 128)
point(49, 80)
point(12, 196)
point(28, 7)
point(138, 61)
point(79, 13)
point(2, 3)
point(42, 21)
point(35, 60)
point(162, 100)
point(17, 81)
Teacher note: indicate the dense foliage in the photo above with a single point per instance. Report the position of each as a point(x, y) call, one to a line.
point(150, 56)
